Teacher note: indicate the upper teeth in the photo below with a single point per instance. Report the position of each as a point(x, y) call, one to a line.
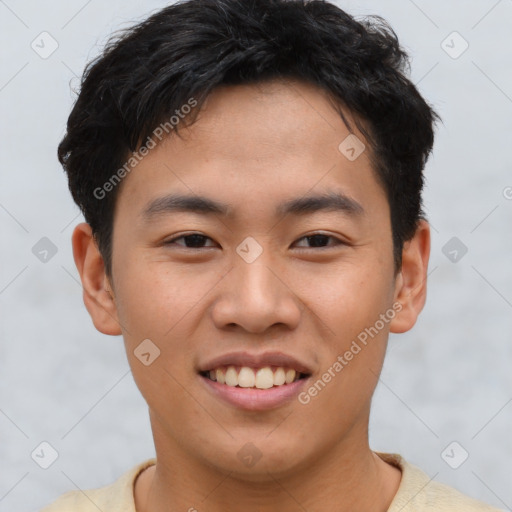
point(246, 377)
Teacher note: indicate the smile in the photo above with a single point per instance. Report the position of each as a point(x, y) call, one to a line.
point(265, 377)
point(254, 381)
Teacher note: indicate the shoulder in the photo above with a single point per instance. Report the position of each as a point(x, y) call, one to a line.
point(418, 492)
point(115, 497)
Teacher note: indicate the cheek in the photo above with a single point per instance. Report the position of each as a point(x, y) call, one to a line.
point(157, 299)
point(347, 300)
point(158, 310)
point(163, 303)
point(348, 305)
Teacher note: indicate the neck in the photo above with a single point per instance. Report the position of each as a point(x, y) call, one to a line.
point(349, 477)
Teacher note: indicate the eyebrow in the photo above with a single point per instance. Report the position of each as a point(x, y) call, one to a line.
point(173, 203)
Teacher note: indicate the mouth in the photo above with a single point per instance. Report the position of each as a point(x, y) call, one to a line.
point(265, 377)
point(254, 382)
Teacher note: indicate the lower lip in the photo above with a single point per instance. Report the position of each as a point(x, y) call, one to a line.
point(253, 399)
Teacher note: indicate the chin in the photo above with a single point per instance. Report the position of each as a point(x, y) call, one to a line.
point(260, 460)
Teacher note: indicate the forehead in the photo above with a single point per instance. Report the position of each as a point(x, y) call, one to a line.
point(254, 144)
point(285, 115)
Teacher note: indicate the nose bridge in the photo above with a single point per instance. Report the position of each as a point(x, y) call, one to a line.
point(257, 285)
point(253, 296)
point(254, 281)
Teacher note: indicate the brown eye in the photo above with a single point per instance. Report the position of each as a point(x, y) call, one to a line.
point(320, 240)
point(192, 241)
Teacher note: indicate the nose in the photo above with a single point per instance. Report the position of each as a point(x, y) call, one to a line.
point(256, 296)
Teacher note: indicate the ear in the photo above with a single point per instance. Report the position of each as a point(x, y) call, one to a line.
point(97, 291)
point(411, 281)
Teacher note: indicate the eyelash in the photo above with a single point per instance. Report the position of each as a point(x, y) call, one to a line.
point(337, 240)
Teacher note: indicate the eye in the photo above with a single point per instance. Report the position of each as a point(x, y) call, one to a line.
point(197, 241)
point(192, 241)
point(321, 240)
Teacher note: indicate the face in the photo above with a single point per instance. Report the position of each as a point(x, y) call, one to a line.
point(286, 263)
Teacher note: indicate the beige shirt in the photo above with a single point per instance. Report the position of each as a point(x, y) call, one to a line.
point(417, 493)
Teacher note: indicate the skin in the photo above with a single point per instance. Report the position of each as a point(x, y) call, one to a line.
point(254, 147)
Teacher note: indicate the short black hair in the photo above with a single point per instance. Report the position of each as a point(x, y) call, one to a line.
point(147, 73)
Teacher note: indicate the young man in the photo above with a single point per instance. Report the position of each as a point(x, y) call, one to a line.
point(251, 176)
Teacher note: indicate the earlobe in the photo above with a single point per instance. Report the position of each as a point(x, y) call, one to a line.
point(411, 282)
point(97, 293)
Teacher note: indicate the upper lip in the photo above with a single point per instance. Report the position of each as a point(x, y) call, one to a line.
point(255, 361)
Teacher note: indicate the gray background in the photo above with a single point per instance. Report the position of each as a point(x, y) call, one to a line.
point(447, 380)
